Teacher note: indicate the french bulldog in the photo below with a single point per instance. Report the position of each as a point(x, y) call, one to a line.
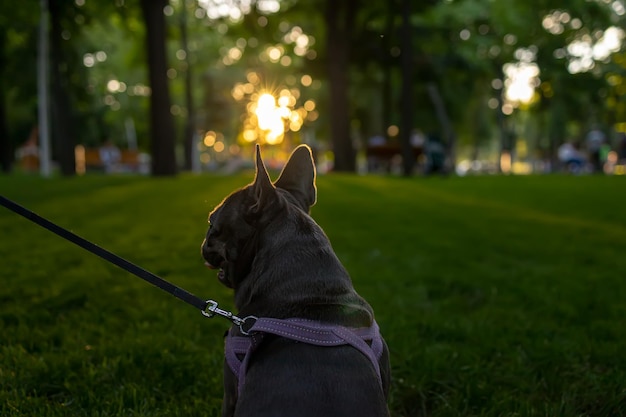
point(282, 268)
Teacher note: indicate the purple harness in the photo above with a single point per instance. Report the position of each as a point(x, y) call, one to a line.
point(301, 330)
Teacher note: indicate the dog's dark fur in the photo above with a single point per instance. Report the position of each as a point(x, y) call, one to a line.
point(280, 264)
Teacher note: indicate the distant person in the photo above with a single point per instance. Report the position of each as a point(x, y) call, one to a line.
point(570, 157)
point(621, 148)
point(417, 138)
point(594, 141)
point(28, 153)
point(605, 151)
point(374, 162)
point(377, 140)
point(110, 156)
point(435, 155)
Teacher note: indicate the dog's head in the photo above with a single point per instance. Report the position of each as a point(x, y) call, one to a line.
point(235, 225)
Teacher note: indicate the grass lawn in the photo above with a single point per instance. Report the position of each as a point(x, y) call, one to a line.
point(497, 296)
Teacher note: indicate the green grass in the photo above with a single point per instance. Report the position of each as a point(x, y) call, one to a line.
point(497, 296)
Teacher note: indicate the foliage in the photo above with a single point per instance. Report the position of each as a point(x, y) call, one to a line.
point(111, 57)
point(461, 47)
point(497, 296)
point(18, 80)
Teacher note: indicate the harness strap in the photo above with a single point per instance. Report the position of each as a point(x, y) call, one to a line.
point(301, 330)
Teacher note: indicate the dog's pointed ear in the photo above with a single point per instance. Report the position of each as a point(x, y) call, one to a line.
point(262, 186)
point(298, 177)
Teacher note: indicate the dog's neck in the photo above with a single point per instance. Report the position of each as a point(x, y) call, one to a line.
point(299, 277)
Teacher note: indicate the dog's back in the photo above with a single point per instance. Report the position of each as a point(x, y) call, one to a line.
point(296, 379)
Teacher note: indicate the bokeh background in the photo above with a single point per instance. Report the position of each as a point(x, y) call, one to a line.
point(393, 86)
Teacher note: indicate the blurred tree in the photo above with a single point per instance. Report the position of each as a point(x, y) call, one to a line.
point(18, 88)
point(161, 123)
point(455, 56)
point(388, 44)
point(6, 148)
point(190, 117)
point(116, 102)
point(63, 62)
point(571, 98)
point(339, 17)
point(408, 83)
point(470, 42)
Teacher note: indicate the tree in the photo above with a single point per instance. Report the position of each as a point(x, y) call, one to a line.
point(339, 16)
point(470, 41)
point(406, 113)
point(458, 47)
point(18, 91)
point(6, 150)
point(189, 125)
point(61, 66)
point(161, 123)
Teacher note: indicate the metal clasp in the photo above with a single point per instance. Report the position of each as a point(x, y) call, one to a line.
point(245, 324)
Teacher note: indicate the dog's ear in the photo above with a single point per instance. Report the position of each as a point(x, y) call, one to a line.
point(262, 186)
point(298, 177)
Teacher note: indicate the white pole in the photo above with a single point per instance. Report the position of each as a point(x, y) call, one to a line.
point(196, 167)
point(131, 133)
point(42, 87)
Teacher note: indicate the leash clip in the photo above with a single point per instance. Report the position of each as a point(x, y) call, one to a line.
point(244, 324)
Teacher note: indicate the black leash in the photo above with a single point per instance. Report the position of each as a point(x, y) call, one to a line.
point(208, 308)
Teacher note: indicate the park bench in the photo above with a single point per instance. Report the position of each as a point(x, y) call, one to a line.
point(88, 159)
point(382, 157)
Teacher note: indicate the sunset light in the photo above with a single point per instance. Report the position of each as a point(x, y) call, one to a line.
point(271, 113)
point(269, 119)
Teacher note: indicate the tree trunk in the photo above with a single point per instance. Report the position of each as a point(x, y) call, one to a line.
point(188, 130)
point(161, 122)
point(505, 145)
point(6, 150)
point(339, 22)
point(387, 68)
point(449, 136)
point(62, 120)
point(406, 113)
